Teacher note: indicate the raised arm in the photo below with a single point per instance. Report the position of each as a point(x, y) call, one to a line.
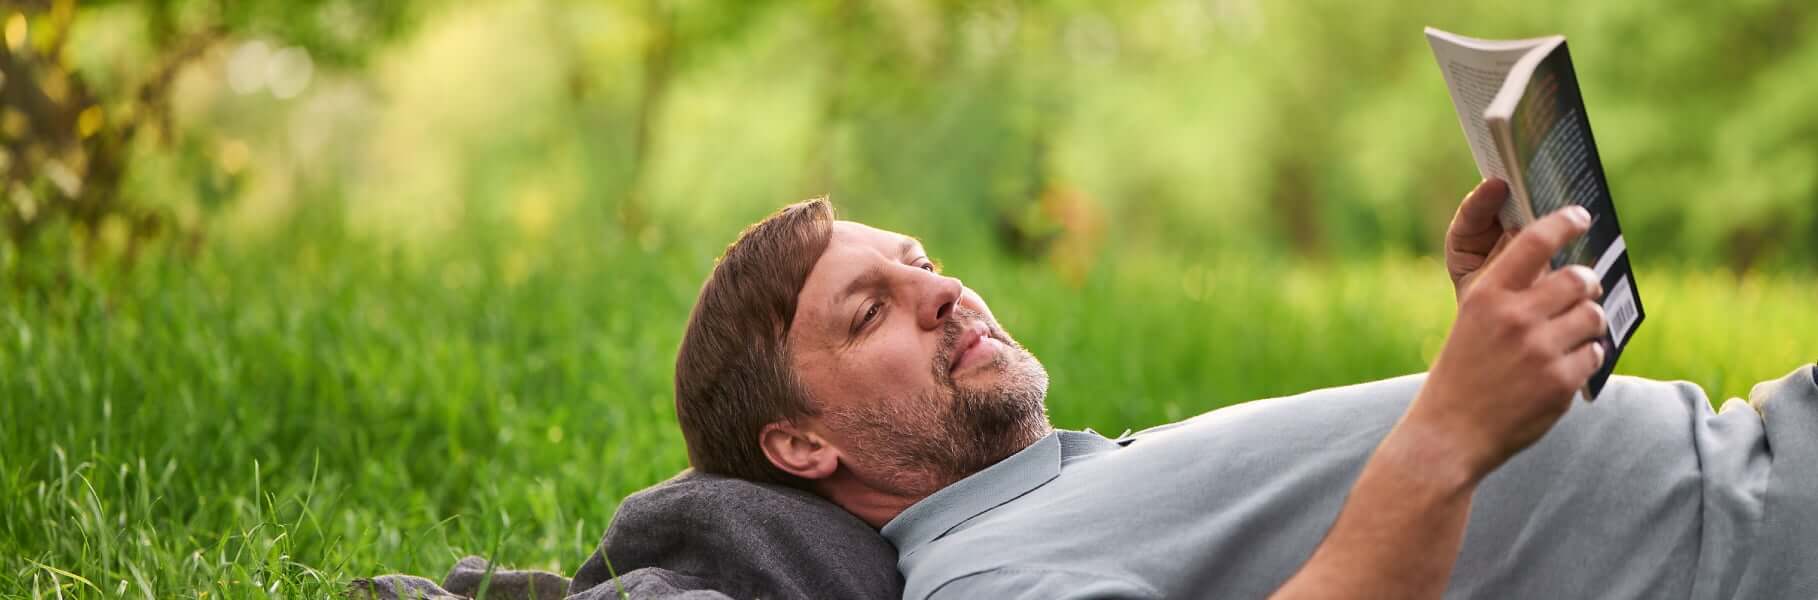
point(1522, 346)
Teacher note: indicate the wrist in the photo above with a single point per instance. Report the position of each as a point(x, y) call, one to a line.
point(1435, 458)
point(1445, 431)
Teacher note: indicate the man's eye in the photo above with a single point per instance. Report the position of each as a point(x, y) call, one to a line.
point(871, 313)
point(929, 267)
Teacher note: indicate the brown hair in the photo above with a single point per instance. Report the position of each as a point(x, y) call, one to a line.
point(732, 374)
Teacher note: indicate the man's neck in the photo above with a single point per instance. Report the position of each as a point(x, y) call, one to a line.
point(873, 506)
point(877, 502)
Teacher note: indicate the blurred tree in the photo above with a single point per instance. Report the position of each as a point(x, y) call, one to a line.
point(911, 107)
point(658, 71)
point(1194, 125)
point(671, 37)
point(68, 141)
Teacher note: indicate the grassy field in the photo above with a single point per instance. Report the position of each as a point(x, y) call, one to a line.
point(276, 417)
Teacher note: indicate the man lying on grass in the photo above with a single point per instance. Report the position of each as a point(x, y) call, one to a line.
point(836, 357)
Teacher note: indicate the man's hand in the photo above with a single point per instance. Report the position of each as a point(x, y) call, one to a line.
point(1476, 235)
point(1523, 344)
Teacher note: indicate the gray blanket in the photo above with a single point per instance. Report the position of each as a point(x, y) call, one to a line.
point(694, 537)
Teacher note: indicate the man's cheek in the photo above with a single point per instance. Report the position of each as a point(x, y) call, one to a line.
point(872, 372)
point(905, 372)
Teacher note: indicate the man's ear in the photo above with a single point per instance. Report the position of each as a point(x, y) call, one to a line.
point(797, 451)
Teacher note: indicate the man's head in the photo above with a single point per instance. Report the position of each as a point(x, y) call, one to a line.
point(832, 352)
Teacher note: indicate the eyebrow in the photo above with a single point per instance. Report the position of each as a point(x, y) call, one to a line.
point(873, 278)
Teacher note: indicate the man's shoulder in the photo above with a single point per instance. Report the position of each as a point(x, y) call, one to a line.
point(1314, 412)
point(1034, 581)
point(1373, 401)
point(1034, 546)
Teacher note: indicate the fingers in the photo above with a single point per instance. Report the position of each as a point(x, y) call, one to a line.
point(1559, 290)
point(1574, 369)
point(1583, 321)
point(1478, 212)
point(1502, 242)
point(1476, 234)
point(1527, 255)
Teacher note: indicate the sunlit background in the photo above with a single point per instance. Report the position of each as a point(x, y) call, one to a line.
point(297, 291)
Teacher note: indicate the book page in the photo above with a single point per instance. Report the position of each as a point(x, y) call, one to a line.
point(1474, 71)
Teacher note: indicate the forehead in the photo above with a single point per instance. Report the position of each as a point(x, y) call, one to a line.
point(856, 233)
point(853, 250)
point(852, 242)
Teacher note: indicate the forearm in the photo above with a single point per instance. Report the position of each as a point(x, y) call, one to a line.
point(1523, 343)
point(1400, 530)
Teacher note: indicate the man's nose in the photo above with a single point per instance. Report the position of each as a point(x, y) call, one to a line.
point(938, 298)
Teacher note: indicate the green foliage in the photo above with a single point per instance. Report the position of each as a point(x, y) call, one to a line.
point(334, 31)
point(87, 97)
point(1306, 128)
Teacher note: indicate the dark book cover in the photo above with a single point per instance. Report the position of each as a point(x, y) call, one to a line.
point(1558, 166)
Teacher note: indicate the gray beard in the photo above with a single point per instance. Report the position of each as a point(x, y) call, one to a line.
point(915, 446)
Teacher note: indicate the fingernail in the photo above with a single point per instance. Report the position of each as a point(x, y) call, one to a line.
point(1597, 349)
point(1586, 275)
point(1580, 215)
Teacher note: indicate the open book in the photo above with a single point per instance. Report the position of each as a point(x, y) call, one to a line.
point(1522, 113)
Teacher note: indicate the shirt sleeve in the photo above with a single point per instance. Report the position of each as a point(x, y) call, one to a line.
point(1033, 583)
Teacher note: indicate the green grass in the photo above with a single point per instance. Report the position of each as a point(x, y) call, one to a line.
point(276, 417)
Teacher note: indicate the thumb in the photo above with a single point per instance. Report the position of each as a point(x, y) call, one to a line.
point(1477, 214)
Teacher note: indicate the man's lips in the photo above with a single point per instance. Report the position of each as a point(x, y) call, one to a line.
point(974, 344)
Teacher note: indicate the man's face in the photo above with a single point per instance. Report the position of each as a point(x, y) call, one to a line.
point(917, 384)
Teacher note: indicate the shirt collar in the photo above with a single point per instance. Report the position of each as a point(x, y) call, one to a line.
point(999, 484)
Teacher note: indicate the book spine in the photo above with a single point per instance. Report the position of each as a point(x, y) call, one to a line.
point(1520, 210)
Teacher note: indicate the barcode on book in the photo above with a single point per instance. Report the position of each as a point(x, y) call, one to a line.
point(1619, 308)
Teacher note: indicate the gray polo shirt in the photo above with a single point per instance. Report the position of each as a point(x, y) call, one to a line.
point(1646, 493)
